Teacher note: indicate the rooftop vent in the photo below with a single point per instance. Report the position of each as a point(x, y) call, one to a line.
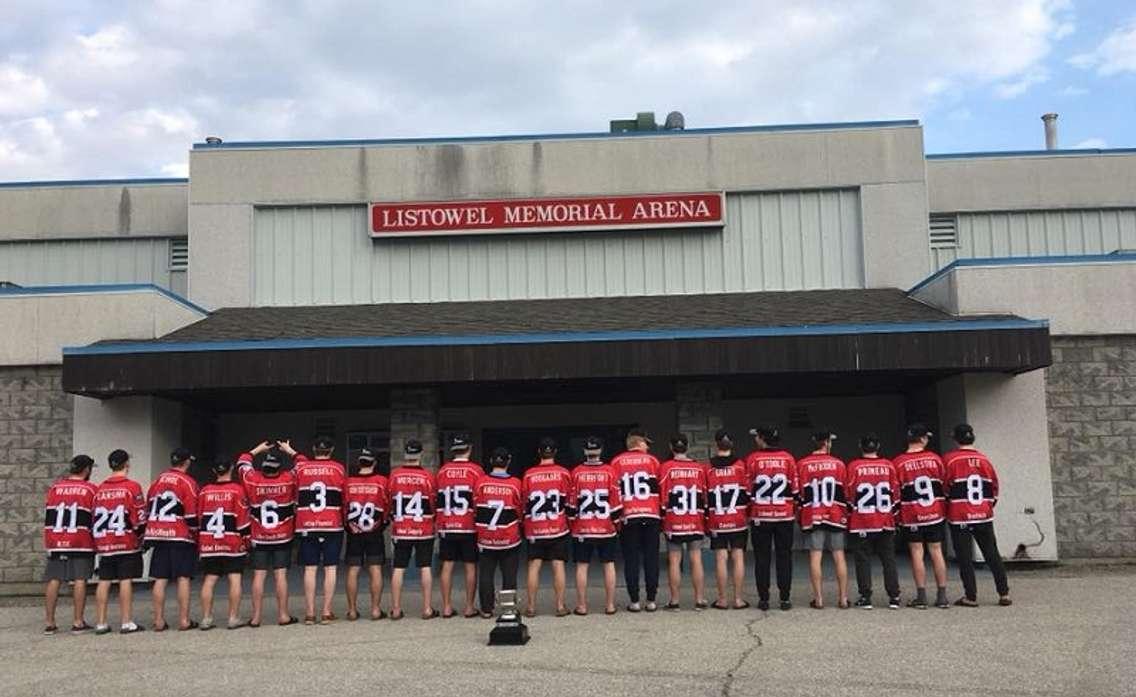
point(944, 231)
point(675, 122)
point(213, 140)
point(645, 121)
point(1050, 130)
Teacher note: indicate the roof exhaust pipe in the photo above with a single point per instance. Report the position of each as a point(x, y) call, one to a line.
point(1050, 130)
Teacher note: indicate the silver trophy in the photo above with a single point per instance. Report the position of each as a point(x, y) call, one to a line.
point(509, 630)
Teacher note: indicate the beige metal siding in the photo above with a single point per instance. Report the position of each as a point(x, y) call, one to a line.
point(772, 241)
point(70, 262)
point(1041, 233)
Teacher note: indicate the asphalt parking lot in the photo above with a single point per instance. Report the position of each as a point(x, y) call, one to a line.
point(1070, 632)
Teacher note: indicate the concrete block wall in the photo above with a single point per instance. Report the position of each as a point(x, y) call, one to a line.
point(414, 414)
point(699, 406)
point(35, 446)
point(1091, 400)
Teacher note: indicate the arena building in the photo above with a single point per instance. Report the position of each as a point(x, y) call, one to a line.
point(683, 280)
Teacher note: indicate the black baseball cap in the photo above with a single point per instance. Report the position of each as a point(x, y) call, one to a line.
point(271, 461)
point(324, 443)
point(118, 457)
point(500, 457)
point(366, 457)
point(870, 443)
point(680, 443)
point(964, 433)
point(80, 463)
point(546, 447)
point(917, 430)
point(460, 441)
point(180, 455)
point(769, 434)
point(595, 442)
point(722, 438)
point(823, 434)
point(413, 447)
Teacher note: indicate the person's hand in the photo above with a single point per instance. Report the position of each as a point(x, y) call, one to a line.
point(286, 447)
point(264, 446)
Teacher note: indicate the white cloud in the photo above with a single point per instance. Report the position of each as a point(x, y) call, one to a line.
point(175, 169)
point(1073, 91)
point(1090, 143)
point(1116, 54)
point(127, 87)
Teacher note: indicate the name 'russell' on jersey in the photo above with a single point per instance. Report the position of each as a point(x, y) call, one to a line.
point(319, 495)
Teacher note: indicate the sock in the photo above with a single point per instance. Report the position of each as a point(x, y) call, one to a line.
point(921, 594)
point(941, 597)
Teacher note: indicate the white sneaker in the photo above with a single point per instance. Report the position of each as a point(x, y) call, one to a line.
point(634, 607)
point(651, 606)
point(206, 624)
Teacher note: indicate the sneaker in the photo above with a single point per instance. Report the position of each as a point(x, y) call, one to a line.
point(634, 607)
point(864, 602)
point(79, 629)
point(206, 624)
point(763, 605)
point(893, 603)
point(651, 606)
point(786, 605)
point(917, 603)
point(131, 628)
point(50, 630)
point(101, 629)
point(941, 601)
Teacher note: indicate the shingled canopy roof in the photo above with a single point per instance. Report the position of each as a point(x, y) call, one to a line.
point(578, 338)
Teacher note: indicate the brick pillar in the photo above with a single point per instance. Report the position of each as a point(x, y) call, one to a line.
point(414, 414)
point(699, 406)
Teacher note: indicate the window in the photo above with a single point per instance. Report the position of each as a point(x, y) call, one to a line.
point(944, 231)
point(179, 254)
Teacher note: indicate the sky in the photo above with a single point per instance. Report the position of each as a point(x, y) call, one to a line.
point(91, 89)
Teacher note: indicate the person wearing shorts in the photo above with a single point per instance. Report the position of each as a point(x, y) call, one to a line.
point(682, 493)
point(68, 540)
point(223, 540)
point(594, 507)
point(412, 496)
point(367, 506)
point(545, 488)
point(120, 517)
point(823, 513)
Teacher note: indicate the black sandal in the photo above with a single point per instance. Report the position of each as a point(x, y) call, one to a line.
point(966, 602)
point(396, 616)
point(291, 620)
point(580, 613)
point(672, 605)
point(815, 605)
point(716, 606)
point(192, 625)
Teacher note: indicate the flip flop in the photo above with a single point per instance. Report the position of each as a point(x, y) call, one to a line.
point(580, 613)
point(291, 620)
point(563, 612)
point(192, 625)
point(309, 620)
point(530, 614)
point(1005, 601)
point(381, 616)
point(238, 625)
point(814, 605)
point(966, 602)
point(79, 629)
point(612, 611)
point(328, 618)
point(162, 628)
point(701, 605)
point(352, 616)
point(844, 605)
point(716, 606)
point(50, 630)
point(430, 615)
point(397, 615)
point(470, 614)
point(744, 605)
point(253, 625)
point(448, 615)
point(672, 606)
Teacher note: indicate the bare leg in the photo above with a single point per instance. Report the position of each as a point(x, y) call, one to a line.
point(470, 586)
point(158, 593)
point(126, 600)
point(234, 598)
point(280, 576)
point(738, 557)
point(582, 586)
point(183, 590)
point(814, 576)
point(396, 591)
point(329, 575)
point(698, 575)
point(310, 590)
point(720, 557)
point(207, 596)
point(559, 583)
point(841, 575)
point(447, 583)
point(376, 573)
point(674, 575)
point(79, 597)
point(609, 586)
point(918, 572)
point(50, 600)
point(532, 582)
point(102, 602)
point(353, 590)
point(938, 564)
point(427, 589)
point(259, 576)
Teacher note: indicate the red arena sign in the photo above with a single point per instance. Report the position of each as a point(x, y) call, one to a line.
point(547, 214)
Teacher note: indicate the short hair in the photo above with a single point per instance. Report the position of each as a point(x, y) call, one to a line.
point(870, 443)
point(964, 434)
point(118, 459)
point(221, 467)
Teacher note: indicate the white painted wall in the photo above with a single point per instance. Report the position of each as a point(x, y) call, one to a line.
point(83, 211)
point(149, 428)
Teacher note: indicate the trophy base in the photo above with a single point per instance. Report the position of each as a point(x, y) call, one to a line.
point(511, 634)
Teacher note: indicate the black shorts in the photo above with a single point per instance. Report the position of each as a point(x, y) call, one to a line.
point(69, 566)
point(223, 566)
point(551, 549)
point(926, 534)
point(120, 567)
point(173, 560)
point(366, 549)
point(320, 548)
point(458, 548)
point(274, 556)
point(605, 548)
point(423, 553)
point(729, 540)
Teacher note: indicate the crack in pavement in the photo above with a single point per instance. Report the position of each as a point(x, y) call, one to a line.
point(728, 683)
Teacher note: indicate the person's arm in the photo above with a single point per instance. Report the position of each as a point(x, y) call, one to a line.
point(244, 521)
point(191, 508)
point(139, 519)
point(286, 448)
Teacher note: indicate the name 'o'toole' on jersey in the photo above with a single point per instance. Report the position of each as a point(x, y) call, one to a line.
point(823, 502)
point(683, 487)
point(411, 504)
point(319, 495)
point(773, 482)
point(119, 517)
point(454, 509)
point(922, 499)
point(68, 516)
point(545, 489)
point(272, 503)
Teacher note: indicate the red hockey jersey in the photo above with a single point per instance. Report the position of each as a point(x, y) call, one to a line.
point(120, 517)
point(682, 484)
point(773, 485)
point(412, 492)
point(823, 502)
point(367, 502)
point(455, 482)
point(873, 487)
point(272, 503)
point(67, 518)
point(972, 484)
point(225, 523)
point(499, 506)
point(319, 495)
point(922, 500)
point(593, 502)
point(545, 490)
point(172, 516)
point(727, 500)
point(638, 484)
